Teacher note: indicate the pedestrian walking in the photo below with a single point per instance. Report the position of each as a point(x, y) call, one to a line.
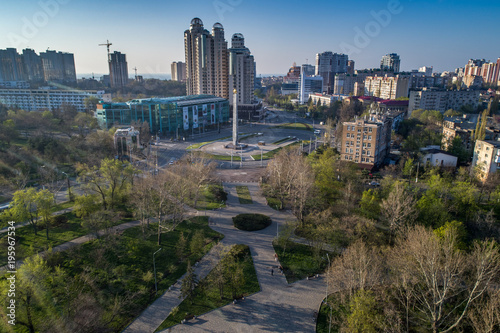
point(272, 271)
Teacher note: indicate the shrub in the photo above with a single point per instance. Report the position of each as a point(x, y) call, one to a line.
point(59, 219)
point(251, 222)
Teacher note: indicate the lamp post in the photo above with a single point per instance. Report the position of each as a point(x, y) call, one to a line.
point(261, 164)
point(326, 293)
point(154, 268)
point(70, 196)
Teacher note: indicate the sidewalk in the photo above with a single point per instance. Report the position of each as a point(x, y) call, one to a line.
point(156, 313)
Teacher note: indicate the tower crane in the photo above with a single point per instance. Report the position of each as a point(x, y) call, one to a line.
point(107, 44)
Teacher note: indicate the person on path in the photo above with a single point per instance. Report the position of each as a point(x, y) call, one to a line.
point(272, 271)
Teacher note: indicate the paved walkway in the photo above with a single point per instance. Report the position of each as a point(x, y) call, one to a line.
point(278, 307)
point(23, 224)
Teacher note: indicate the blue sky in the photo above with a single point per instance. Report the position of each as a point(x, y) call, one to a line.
point(439, 33)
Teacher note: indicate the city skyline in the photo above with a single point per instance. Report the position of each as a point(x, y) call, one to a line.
point(437, 33)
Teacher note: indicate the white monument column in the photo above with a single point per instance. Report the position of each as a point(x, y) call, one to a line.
point(235, 119)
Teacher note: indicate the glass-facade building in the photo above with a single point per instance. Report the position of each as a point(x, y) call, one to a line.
point(172, 115)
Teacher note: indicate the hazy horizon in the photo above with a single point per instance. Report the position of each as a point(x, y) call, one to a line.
point(438, 33)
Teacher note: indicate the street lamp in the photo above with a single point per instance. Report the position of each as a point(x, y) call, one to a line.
point(326, 292)
point(261, 165)
point(70, 197)
point(154, 268)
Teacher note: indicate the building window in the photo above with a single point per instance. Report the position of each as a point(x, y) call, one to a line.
point(368, 153)
point(370, 130)
point(364, 137)
point(347, 150)
point(348, 127)
point(369, 137)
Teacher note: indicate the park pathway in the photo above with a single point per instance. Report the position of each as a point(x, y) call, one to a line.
point(279, 306)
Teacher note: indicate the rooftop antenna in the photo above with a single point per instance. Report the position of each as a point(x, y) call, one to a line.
point(107, 44)
point(307, 61)
point(135, 69)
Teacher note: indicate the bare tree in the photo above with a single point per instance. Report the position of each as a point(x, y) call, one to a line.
point(439, 282)
point(484, 316)
point(399, 208)
point(291, 180)
point(142, 199)
point(359, 267)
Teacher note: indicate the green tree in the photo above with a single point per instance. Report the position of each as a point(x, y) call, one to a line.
point(180, 247)
point(44, 202)
point(197, 242)
point(24, 207)
point(188, 284)
point(370, 204)
point(112, 180)
point(458, 149)
point(364, 316)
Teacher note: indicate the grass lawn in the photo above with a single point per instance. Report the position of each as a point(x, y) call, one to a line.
point(27, 244)
point(116, 272)
point(131, 256)
point(299, 126)
point(270, 154)
point(199, 145)
point(211, 197)
point(207, 295)
point(272, 202)
point(300, 261)
point(62, 205)
point(282, 140)
point(244, 195)
point(224, 157)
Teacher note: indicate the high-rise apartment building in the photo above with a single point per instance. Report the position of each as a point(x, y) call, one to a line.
point(178, 71)
point(391, 63)
point(366, 140)
point(206, 60)
point(309, 84)
point(58, 66)
point(241, 71)
point(11, 66)
point(28, 66)
point(441, 99)
point(33, 66)
point(118, 69)
point(387, 87)
point(327, 65)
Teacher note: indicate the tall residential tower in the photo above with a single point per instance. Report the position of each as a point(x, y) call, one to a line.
point(206, 60)
point(118, 69)
point(241, 71)
point(390, 63)
point(329, 64)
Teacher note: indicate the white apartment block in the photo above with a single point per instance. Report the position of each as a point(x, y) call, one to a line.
point(486, 158)
point(442, 100)
point(46, 99)
point(387, 87)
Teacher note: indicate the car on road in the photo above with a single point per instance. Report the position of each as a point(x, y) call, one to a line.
point(317, 132)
